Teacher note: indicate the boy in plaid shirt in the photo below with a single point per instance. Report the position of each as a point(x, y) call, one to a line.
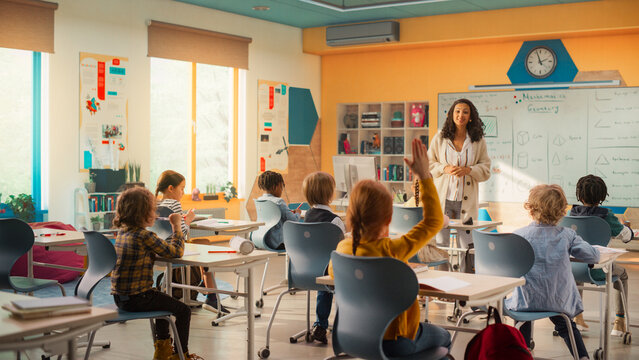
point(132, 278)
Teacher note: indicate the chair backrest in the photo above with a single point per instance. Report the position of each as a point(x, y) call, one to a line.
point(502, 254)
point(404, 218)
point(269, 213)
point(102, 258)
point(309, 247)
point(162, 228)
point(370, 293)
point(594, 230)
point(16, 238)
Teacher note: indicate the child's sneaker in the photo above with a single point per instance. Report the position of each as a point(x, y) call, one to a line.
point(319, 333)
point(581, 323)
point(619, 328)
point(211, 304)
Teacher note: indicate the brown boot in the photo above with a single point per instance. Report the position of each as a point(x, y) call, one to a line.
point(579, 320)
point(187, 356)
point(163, 349)
point(619, 327)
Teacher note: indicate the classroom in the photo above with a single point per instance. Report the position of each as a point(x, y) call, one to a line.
point(100, 96)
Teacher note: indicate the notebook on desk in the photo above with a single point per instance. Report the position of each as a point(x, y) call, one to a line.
point(50, 303)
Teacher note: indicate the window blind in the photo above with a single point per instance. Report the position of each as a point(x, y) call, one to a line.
point(27, 24)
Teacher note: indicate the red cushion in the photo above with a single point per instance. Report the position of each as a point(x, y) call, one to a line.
point(67, 258)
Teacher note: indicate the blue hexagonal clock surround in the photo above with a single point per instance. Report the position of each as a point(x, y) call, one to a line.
point(565, 71)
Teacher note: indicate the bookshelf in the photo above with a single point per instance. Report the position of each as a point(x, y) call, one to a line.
point(88, 205)
point(388, 139)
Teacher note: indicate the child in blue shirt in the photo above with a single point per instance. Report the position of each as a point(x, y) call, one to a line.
point(550, 285)
point(273, 185)
point(592, 191)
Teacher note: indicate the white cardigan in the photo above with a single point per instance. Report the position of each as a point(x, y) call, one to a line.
point(480, 171)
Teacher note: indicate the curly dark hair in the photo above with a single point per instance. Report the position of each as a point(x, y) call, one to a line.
point(591, 190)
point(269, 180)
point(475, 126)
point(134, 207)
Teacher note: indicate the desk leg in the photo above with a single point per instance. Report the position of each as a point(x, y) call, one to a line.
point(168, 278)
point(250, 317)
point(606, 327)
point(30, 263)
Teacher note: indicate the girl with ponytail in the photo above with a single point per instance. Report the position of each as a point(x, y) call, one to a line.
point(369, 214)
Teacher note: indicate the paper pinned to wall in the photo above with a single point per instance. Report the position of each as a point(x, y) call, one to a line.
point(103, 111)
point(272, 118)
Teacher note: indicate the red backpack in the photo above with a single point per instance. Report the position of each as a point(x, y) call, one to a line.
point(497, 341)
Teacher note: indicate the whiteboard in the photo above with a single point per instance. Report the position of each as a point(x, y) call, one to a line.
point(557, 136)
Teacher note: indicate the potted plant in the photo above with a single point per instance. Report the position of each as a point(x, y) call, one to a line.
point(90, 186)
point(210, 192)
point(96, 221)
point(22, 207)
point(230, 192)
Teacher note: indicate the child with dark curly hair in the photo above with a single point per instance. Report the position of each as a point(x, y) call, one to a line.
point(132, 277)
point(273, 185)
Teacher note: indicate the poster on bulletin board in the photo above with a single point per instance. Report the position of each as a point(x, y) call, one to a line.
point(104, 103)
point(272, 117)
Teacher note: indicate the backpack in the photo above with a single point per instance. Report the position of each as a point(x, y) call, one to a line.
point(196, 280)
point(497, 341)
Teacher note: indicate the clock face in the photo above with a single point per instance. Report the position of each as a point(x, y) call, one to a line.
point(540, 62)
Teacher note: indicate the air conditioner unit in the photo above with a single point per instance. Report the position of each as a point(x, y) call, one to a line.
point(367, 33)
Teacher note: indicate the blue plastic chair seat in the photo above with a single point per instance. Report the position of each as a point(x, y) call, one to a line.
point(521, 316)
point(136, 315)
point(25, 284)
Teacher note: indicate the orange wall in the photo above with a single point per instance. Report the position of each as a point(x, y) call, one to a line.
point(421, 73)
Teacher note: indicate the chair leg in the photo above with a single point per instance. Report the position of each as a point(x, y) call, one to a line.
point(62, 289)
point(461, 320)
point(176, 337)
point(89, 344)
point(270, 321)
point(263, 278)
point(571, 335)
point(625, 306)
point(306, 333)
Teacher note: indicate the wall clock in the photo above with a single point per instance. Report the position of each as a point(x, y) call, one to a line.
point(540, 62)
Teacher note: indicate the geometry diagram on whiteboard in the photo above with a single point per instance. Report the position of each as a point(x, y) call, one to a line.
point(522, 160)
point(603, 123)
point(557, 179)
point(555, 160)
point(490, 125)
point(600, 173)
point(601, 160)
point(559, 140)
point(523, 138)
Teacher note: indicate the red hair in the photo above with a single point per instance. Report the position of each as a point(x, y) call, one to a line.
point(370, 208)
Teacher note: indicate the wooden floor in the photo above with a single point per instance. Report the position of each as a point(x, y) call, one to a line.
point(228, 341)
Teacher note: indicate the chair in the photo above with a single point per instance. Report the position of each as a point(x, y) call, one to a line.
point(309, 247)
point(365, 309)
point(403, 220)
point(510, 255)
point(162, 228)
point(16, 239)
point(595, 231)
point(269, 213)
point(102, 258)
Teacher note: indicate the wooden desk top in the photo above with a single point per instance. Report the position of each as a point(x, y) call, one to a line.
point(57, 237)
point(224, 224)
point(202, 257)
point(457, 224)
point(481, 286)
point(12, 328)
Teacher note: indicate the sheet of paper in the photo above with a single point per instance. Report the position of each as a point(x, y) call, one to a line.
point(444, 283)
point(607, 250)
point(207, 222)
point(188, 253)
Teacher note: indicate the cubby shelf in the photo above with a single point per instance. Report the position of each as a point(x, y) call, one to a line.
point(392, 140)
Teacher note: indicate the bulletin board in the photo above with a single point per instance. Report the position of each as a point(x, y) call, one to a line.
point(104, 103)
point(272, 117)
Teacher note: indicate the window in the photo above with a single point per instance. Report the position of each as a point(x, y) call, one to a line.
point(23, 125)
point(192, 122)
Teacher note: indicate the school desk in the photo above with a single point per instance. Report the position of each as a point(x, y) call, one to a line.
point(605, 262)
point(226, 226)
point(242, 265)
point(13, 331)
point(52, 239)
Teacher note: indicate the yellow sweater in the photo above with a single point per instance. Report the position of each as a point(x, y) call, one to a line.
point(407, 323)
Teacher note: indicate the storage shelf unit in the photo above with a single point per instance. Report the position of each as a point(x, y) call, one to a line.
point(394, 138)
point(88, 205)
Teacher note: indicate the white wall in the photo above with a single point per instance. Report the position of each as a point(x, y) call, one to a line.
point(118, 27)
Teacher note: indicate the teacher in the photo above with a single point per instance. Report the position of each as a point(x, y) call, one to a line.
point(459, 162)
